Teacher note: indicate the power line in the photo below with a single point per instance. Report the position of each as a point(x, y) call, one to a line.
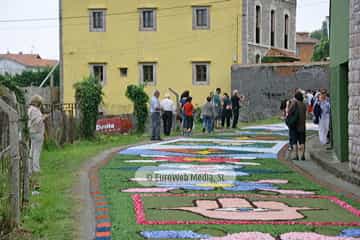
point(108, 14)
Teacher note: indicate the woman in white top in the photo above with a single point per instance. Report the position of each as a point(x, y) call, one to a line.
point(324, 122)
point(37, 130)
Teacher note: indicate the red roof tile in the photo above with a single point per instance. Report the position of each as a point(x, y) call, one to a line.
point(29, 60)
point(304, 37)
point(276, 52)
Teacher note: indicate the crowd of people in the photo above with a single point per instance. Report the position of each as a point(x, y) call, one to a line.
point(218, 111)
point(306, 104)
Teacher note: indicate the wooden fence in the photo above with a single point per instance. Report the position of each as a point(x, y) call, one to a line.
point(61, 125)
point(13, 169)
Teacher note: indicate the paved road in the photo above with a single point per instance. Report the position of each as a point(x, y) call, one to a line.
point(230, 185)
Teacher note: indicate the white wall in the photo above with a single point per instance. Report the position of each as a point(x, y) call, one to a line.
point(10, 67)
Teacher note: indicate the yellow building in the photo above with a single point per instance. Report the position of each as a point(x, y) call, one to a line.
point(183, 45)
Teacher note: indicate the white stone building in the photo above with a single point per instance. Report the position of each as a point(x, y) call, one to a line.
point(269, 24)
point(17, 63)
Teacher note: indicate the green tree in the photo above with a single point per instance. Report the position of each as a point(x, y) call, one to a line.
point(325, 30)
point(322, 50)
point(140, 99)
point(34, 78)
point(317, 34)
point(88, 95)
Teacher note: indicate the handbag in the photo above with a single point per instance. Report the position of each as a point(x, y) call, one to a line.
point(293, 118)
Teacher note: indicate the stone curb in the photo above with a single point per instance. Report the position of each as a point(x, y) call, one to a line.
point(282, 156)
point(347, 176)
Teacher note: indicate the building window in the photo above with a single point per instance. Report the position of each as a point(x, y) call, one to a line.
point(201, 73)
point(272, 28)
point(97, 20)
point(297, 51)
point(148, 73)
point(201, 18)
point(98, 70)
point(257, 59)
point(257, 23)
point(148, 19)
point(286, 32)
point(123, 72)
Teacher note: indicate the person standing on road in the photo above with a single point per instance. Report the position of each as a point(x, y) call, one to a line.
point(183, 98)
point(235, 102)
point(324, 120)
point(188, 110)
point(217, 103)
point(37, 130)
point(155, 109)
point(208, 115)
point(300, 130)
point(226, 111)
point(168, 107)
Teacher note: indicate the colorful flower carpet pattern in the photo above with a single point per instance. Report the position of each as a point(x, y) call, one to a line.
point(230, 186)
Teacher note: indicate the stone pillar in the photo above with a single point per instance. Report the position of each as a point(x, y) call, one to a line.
point(354, 87)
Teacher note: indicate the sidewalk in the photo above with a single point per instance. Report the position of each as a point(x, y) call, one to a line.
point(324, 167)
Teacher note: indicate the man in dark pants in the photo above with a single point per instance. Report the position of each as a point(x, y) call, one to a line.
point(235, 102)
point(168, 108)
point(155, 116)
point(298, 131)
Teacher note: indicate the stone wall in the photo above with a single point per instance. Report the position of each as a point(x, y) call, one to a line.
point(354, 87)
point(281, 7)
point(266, 85)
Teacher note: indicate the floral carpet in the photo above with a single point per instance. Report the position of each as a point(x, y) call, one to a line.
point(227, 186)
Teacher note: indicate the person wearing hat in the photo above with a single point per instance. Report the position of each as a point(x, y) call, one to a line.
point(168, 107)
point(36, 129)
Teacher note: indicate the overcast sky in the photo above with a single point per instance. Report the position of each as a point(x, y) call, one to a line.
point(42, 36)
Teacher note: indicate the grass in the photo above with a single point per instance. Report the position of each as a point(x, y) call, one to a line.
point(50, 215)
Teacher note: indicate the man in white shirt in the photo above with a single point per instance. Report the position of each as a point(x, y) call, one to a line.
point(155, 109)
point(168, 107)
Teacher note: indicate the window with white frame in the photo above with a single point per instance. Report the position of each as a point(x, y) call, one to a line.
point(201, 73)
point(148, 19)
point(97, 20)
point(201, 17)
point(98, 70)
point(148, 73)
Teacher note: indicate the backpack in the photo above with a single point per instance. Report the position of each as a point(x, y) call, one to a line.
point(292, 119)
point(312, 101)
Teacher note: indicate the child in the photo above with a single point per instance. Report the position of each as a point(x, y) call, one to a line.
point(188, 110)
point(208, 113)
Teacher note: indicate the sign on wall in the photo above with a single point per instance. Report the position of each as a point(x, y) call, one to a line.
point(114, 125)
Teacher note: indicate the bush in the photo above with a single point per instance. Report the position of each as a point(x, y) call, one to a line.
point(140, 99)
point(88, 95)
